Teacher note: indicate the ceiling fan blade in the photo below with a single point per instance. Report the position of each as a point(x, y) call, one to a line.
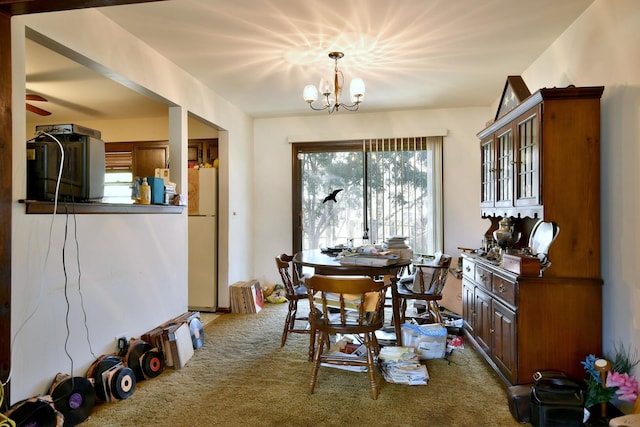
point(37, 110)
point(34, 97)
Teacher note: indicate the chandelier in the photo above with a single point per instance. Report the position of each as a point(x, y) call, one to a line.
point(331, 91)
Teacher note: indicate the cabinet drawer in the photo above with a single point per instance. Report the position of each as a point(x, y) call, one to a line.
point(504, 289)
point(483, 277)
point(468, 269)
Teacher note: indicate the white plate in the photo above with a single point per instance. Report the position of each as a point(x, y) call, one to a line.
point(542, 236)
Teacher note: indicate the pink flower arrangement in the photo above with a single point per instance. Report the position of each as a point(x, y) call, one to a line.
point(619, 384)
point(627, 385)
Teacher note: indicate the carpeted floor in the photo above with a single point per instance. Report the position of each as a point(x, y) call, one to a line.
point(241, 377)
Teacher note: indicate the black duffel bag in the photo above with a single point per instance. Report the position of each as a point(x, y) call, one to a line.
point(556, 400)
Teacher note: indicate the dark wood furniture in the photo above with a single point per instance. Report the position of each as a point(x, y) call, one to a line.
point(148, 156)
point(294, 292)
point(359, 302)
point(426, 285)
point(328, 265)
point(523, 324)
point(540, 161)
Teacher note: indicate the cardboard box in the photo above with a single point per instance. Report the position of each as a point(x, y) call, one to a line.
point(164, 174)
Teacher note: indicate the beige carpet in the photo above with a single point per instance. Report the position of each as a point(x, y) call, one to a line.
point(241, 377)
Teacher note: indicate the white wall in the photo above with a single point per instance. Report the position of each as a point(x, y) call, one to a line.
point(133, 267)
point(601, 48)
point(272, 167)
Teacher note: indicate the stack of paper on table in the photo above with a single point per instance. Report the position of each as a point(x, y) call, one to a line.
point(397, 245)
point(369, 259)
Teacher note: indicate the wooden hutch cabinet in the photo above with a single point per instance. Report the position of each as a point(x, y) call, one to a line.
point(540, 160)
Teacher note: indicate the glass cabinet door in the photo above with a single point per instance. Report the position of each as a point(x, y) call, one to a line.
point(528, 165)
point(505, 168)
point(488, 169)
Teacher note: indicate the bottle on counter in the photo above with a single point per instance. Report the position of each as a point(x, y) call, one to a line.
point(135, 189)
point(145, 192)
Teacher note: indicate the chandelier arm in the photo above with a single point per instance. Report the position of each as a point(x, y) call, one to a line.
point(318, 109)
point(352, 107)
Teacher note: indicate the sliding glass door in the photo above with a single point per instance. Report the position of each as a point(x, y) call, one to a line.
point(359, 192)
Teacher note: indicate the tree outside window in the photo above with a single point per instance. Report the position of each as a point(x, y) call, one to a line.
point(396, 182)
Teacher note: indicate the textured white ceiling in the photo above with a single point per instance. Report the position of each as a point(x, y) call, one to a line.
point(260, 54)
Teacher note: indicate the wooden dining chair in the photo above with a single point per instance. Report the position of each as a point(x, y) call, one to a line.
point(426, 285)
point(346, 305)
point(295, 291)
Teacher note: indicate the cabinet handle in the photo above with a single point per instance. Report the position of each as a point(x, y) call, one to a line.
point(501, 288)
point(468, 269)
point(483, 277)
point(491, 331)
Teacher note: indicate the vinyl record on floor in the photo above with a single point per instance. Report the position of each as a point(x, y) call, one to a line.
point(122, 382)
point(145, 361)
point(134, 354)
point(113, 380)
point(35, 412)
point(95, 371)
point(74, 397)
point(151, 363)
point(197, 332)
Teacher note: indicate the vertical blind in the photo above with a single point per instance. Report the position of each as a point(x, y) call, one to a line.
point(404, 190)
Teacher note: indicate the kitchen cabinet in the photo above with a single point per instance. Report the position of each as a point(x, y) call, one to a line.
point(540, 160)
point(141, 157)
point(148, 156)
point(201, 151)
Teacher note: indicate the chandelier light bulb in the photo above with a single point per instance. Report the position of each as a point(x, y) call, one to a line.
point(325, 87)
point(310, 93)
point(356, 88)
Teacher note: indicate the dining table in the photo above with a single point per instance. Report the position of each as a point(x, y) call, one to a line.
point(328, 264)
